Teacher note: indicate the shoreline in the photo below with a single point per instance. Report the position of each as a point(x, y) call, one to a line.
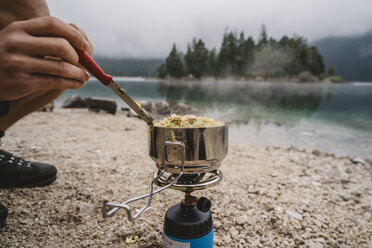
point(269, 80)
point(270, 196)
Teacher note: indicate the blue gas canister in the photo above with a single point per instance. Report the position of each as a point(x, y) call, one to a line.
point(189, 226)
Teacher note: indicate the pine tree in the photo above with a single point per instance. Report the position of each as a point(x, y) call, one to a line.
point(212, 69)
point(162, 71)
point(263, 36)
point(196, 59)
point(223, 57)
point(246, 51)
point(228, 59)
point(173, 63)
point(189, 59)
point(201, 59)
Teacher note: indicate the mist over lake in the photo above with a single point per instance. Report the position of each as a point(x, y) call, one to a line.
point(335, 118)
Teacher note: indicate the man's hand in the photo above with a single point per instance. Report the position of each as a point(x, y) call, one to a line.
point(23, 48)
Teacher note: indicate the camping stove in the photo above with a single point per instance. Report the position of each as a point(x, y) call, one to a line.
point(187, 159)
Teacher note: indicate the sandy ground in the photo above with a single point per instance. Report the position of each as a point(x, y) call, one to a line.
point(270, 196)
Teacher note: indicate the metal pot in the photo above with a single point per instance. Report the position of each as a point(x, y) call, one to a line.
point(193, 153)
point(204, 148)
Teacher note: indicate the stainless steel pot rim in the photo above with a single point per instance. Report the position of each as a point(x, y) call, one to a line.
point(190, 128)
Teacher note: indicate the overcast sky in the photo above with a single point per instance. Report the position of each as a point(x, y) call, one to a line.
point(148, 28)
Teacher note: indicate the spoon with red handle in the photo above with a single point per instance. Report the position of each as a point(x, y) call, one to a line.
point(88, 63)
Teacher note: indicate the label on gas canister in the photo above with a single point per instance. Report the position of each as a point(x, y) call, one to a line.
point(170, 243)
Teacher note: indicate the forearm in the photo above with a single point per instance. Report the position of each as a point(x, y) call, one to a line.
point(17, 10)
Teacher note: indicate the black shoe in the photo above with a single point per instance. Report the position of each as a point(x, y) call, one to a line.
point(16, 172)
point(3, 215)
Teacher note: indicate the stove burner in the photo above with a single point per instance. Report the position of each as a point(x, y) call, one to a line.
point(190, 182)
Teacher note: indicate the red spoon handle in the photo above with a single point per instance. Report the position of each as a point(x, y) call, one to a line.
point(88, 63)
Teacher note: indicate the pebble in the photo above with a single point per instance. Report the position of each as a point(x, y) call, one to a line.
point(294, 214)
point(358, 161)
point(240, 220)
point(233, 232)
point(226, 239)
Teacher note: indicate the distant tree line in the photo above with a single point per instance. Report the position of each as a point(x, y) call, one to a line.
point(129, 67)
point(242, 57)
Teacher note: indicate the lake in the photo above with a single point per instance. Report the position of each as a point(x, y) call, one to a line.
point(335, 118)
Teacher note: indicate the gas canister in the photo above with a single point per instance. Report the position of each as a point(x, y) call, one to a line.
point(189, 226)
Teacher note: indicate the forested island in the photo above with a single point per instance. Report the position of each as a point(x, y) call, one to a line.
point(240, 57)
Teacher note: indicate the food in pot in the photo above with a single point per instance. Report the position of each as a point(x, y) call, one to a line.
point(188, 121)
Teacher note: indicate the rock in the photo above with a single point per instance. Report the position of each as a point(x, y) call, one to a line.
point(47, 108)
point(74, 101)
point(226, 239)
point(242, 243)
point(345, 181)
point(268, 207)
point(250, 211)
point(233, 232)
point(88, 209)
point(240, 220)
point(131, 113)
point(345, 197)
point(316, 152)
point(255, 242)
point(285, 243)
point(294, 214)
point(253, 190)
point(160, 108)
point(316, 184)
point(217, 224)
point(183, 109)
point(358, 161)
point(95, 104)
point(356, 194)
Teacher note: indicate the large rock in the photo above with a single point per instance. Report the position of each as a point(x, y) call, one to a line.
point(159, 108)
point(74, 101)
point(95, 104)
point(183, 109)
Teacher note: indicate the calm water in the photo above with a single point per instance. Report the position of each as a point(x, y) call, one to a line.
point(333, 118)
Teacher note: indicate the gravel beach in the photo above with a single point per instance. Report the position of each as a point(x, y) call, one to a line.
point(270, 196)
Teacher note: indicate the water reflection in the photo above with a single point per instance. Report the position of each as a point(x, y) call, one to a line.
point(242, 102)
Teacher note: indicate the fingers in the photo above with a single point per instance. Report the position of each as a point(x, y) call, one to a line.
point(52, 26)
point(45, 82)
point(56, 68)
point(51, 46)
point(30, 83)
point(90, 48)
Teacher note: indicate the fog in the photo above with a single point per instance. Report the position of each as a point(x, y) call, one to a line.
point(147, 29)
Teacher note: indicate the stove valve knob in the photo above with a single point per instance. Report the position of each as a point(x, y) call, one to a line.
point(204, 204)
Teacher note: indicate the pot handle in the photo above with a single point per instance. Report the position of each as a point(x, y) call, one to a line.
point(110, 208)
